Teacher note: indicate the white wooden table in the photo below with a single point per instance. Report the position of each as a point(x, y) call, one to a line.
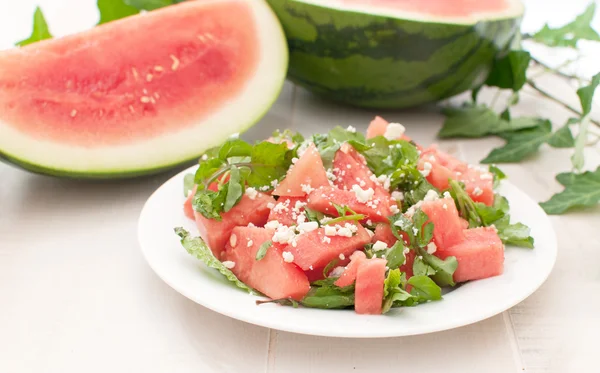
point(77, 296)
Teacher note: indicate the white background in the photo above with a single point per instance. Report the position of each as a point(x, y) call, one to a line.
point(76, 295)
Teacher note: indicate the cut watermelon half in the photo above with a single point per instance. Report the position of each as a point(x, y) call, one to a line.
point(141, 94)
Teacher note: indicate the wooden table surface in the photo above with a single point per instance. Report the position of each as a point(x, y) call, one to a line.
point(77, 296)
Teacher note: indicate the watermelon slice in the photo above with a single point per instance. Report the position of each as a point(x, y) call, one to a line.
point(216, 233)
point(306, 174)
point(287, 210)
point(116, 101)
point(442, 166)
point(448, 226)
point(271, 275)
point(480, 255)
point(349, 275)
point(395, 53)
point(315, 249)
point(370, 278)
point(322, 200)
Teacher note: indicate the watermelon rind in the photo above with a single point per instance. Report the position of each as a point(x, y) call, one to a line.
point(169, 150)
point(378, 58)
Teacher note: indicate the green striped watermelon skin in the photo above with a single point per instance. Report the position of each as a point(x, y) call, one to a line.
point(384, 62)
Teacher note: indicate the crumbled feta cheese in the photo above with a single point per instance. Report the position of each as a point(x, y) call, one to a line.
point(284, 234)
point(431, 248)
point(250, 243)
point(369, 222)
point(294, 160)
point(348, 166)
point(270, 205)
point(431, 195)
point(344, 232)
point(251, 225)
point(494, 228)
point(287, 257)
point(415, 230)
point(233, 240)
point(362, 195)
point(273, 224)
point(351, 129)
point(384, 180)
point(394, 131)
point(326, 219)
point(486, 176)
point(235, 135)
point(274, 183)
point(326, 239)
point(397, 196)
point(337, 272)
point(353, 228)
point(445, 206)
point(281, 206)
point(330, 230)
point(406, 251)
point(251, 192)
point(311, 268)
point(306, 188)
point(308, 226)
point(477, 191)
point(380, 245)
point(447, 195)
point(370, 232)
point(204, 157)
point(426, 169)
point(362, 183)
point(394, 209)
point(300, 219)
point(229, 264)
point(342, 256)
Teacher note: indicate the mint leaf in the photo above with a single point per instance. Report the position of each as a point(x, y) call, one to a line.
point(198, 248)
point(510, 71)
point(262, 250)
point(188, 184)
point(206, 170)
point(424, 288)
point(498, 175)
point(40, 29)
point(269, 162)
point(581, 190)
point(234, 148)
point(235, 189)
point(111, 10)
point(520, 144)
point(562, 138)
point(569, 34)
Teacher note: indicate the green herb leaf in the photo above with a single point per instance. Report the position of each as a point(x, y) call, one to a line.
point(581, 190)
point(586, 94)
point(569, 34)
point(514, 234)
point(330, 266)
point(111, 10)
point(209, 203)
point(413, 195)
point(235, 189)
point(262, 250)
point(198, 248)
point(395, 255)
point(329, 297)
point(206, 170)
point(289, 135)
point(234, 148)
point(498, 175)
point(520, 144)
point(40, 29)
point(424, 288)
point(151, 4)
point(425, 231)
point(394, 293)
point(283, 302)
point(420, 268)
point(562, 138)
point(188, 184)
point(269, 162)
point(510, 71)
point(444, 269)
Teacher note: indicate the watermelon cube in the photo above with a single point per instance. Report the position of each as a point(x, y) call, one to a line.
point(368, 296)
point(316, 249)
point(287, 210)
point(249, 210)
point(322, 200)
point(188, 209)
point(271, 275)
point(349, 275)
point(447, 225)
point(479, 255)
point(306, 174)
point(378, 127)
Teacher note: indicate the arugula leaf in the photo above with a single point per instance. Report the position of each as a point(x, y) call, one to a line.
point(425, 228)
point(562, 138)
point(424, 288)
point(520, 144)
point(40, 29)
point(581, 190)
point(329, 267)
point(413, 195)
point(569, 34)
point(235, 189)
point(282, 301)
point(262, 250)
point(345, 213)
point(329, 144)
point(517, 234)
point(234, 148)
point(510, 71)
point(188, 184)
point(444, 269)
point(329, 297)
point(198, 248)
point(287, 134)
point(395, 255)
point(394, 293)
point(498, 175)
point(420, 268)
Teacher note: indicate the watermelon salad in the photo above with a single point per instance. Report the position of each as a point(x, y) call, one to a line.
point(347, 221)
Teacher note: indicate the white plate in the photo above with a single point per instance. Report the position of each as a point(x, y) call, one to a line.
point(525, 270)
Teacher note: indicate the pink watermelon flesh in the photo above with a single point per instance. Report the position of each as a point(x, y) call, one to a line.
point(188, 209)
point(479, 255)
point(439, 8)
point(448, 227)
point(307, 173)
point(369, 287)
point(383, 233)
point(323, 199)
point(287, 210)
point(216, 233)
point(312, 251)
point(478, 184)
point(271, 275)
point(378, 126)
point(88, 90)
point(349, 276)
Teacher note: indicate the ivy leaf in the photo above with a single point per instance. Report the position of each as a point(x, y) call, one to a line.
point(563, 138)
point(510, 71)
point(586, 94)
point(40, 29)
point(586, 97)
point(581, 190)
point(111, 10)
point(569, 34)
point(196, 247)
point(520, 144)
